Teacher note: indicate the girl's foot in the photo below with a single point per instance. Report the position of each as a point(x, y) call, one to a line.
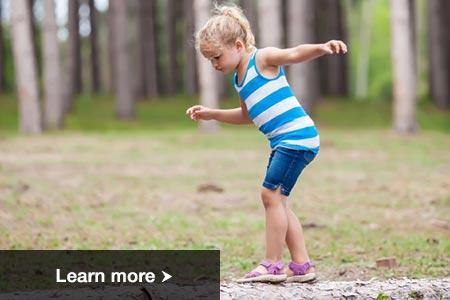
point(265, 272)
point(300, 272)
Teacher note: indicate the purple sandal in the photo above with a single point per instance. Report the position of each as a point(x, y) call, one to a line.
point(300, 274)
point(274, 273)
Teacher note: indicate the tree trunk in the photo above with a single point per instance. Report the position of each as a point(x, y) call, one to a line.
point(25, 68)
point(403, 57)
point(251, 12)
point(304, 77)
point(172, 80)
point(270, 24)
point(125, 104)
point(2, 54)
point(439, 56)
point(362, 72)
point(135, 48)
point(413, 31)
point(147, 33)
point(95, 69)
point(138, 45)
point(35, 37)
point(111, 54)
point(334, 71)
point(207, 80)
point(74, 56)
point(285, 23)
point(190, 73)
point(53, 116)
point(220, 79)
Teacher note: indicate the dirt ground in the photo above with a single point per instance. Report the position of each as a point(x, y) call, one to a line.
point(369, 194)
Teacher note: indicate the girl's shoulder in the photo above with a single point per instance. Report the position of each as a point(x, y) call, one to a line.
point(265, 52)
point(263, 67)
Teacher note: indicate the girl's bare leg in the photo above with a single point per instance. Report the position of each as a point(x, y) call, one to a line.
point(276, 226)
point(295, 239)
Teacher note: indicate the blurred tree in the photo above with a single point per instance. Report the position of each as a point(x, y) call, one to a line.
point(172, 18)
point(404, 66)
point(250, 8)
point(111, 47)
point(365, 29)
point(35, 37)
point(270, 24)
point(439, 51)
point(125, 102)
point(284, 23)
point(73, 57)
point(135, 47)
point(53, 114)
point(2, 53)
point(190, 71)
point(304, 77)
point(207, 79)
point(95, 63)
point(334, 73)
point(147, 38)
point(25, 68)
point(223, 84)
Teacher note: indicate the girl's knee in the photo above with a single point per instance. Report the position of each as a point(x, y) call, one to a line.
point(270, 197)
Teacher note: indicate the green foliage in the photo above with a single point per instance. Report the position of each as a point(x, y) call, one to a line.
point(8, 59)
point(383, 296)
point(380, 65)
point(8, 114)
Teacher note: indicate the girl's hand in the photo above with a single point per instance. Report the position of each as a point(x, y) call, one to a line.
point(333, 47)
point(199, 112)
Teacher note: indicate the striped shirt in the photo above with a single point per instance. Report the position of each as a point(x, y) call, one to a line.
point(275, 110)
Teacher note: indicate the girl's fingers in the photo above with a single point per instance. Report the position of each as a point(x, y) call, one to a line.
point(332, 47)
point(193, 109)
point(196, 108)
point(338, 47)
point(196, 115)
point(342, 46)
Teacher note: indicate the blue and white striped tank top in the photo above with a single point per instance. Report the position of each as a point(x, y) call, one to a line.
point(275, 110)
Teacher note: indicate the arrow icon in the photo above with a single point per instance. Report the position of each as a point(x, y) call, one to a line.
point(166, 276)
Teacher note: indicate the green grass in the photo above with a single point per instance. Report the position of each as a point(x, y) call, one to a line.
point(106, 184)
point(96, 114)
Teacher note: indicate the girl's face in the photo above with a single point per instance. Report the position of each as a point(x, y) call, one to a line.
point(228, 58)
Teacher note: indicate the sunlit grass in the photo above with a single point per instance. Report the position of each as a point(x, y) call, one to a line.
point(370, 194)
point(96, 114)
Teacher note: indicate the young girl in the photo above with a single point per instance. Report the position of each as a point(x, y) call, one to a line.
point(268, 101)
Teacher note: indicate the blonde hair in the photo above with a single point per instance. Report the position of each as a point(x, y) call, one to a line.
point(227, 24)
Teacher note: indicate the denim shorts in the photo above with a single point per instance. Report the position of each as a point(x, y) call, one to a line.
point(285, 165)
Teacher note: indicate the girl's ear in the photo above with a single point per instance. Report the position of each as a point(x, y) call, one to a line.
point(238, 44)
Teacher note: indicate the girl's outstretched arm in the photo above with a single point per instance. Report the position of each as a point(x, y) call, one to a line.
point(272, 56)
point(237, 115)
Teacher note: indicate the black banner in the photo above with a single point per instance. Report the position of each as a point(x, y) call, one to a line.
point(115, 274)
